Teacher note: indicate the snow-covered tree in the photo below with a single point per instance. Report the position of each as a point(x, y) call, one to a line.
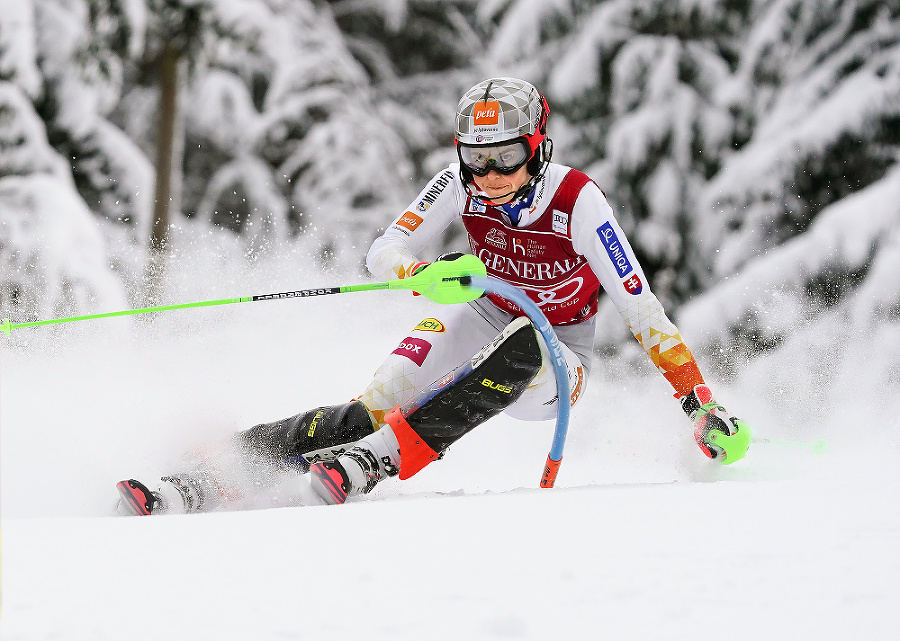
point(54, 256)
point(726, 133)
point(78, 91)
point(321, 130)
point(402, 38)
point(721, 131)
point(804, 213)
point(817, 93)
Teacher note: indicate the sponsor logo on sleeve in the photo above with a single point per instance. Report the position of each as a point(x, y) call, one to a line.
point(415, 349)
point(409, 221)
point(430, 325)
point(614, 249)
point(633, 285)
point(434, 190)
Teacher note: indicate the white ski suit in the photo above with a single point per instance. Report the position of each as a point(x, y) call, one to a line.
point(562, 250)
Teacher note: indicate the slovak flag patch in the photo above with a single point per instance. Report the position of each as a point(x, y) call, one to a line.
point(633, 285)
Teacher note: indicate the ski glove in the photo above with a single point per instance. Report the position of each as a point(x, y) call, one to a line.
point(719, 435)
point(445, 256)
point(418, 267)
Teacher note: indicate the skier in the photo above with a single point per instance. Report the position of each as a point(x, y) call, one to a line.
point(541, 226)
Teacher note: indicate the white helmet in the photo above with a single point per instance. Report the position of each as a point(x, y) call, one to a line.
point(501, 124)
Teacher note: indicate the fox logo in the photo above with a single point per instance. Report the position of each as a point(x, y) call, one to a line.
point(415, 349)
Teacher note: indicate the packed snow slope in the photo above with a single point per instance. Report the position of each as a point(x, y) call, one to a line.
point(641, 539)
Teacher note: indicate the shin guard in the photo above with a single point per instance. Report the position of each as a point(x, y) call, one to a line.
point(466, 397)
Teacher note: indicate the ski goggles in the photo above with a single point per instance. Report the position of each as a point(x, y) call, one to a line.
point(504, 158)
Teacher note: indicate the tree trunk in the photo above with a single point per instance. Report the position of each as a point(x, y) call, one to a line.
point(169, 144)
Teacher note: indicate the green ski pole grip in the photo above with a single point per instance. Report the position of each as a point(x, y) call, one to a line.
point(446, 281)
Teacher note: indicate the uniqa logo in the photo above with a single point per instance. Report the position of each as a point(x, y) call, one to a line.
point(614, 248)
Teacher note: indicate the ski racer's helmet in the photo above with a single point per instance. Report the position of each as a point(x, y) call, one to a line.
point(501, 124)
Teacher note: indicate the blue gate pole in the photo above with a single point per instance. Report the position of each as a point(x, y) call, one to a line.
point(554, 347)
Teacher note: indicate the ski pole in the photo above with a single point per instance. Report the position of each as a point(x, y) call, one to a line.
point(460, 280)
point(443, 282)
point(817, 446)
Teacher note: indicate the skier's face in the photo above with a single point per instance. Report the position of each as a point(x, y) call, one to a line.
point(502, 187)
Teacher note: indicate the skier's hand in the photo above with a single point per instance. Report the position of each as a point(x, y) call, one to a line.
point(719, 435)
point(445, 256)
point(447, 280)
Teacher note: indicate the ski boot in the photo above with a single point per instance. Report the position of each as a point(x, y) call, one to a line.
point(359, 469)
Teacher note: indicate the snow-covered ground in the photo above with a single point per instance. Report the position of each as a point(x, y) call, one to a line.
point(641, 539)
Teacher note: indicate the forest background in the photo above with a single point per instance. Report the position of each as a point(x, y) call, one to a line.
point(750, 151)
point(749, 148)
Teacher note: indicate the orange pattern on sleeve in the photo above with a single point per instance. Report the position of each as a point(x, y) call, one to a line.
point(395, 263)
point(660, 339)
